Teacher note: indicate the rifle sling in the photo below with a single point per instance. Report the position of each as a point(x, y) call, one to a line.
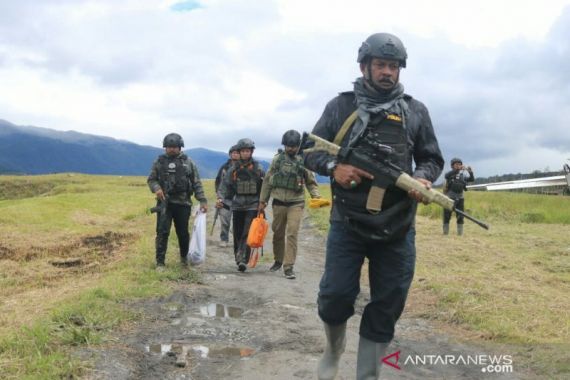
point(345, 127)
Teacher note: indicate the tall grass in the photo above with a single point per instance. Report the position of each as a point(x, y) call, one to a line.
point(53, 309)
point(507, 286)
point(511, 207)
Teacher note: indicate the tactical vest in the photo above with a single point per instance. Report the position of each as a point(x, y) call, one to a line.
point(398, 210)
point(457, 183)
point(174, 174)
point(247, 178)
point(288, 173)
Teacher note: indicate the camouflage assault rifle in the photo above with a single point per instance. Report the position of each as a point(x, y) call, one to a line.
point(385, 173)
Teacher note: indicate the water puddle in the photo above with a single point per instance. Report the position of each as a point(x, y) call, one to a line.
point(181, 350)
point(158, 348)
point(242, 352)
point(221, 310)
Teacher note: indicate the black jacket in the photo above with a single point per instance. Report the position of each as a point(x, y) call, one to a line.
point(421, 140)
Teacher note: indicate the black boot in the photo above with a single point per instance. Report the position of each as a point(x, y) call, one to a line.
point(276, 266)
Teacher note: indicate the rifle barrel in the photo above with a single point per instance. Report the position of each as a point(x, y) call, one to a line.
point(474, 220)
point(214, 223)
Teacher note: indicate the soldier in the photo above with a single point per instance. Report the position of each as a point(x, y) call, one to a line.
point(242, 183)
point(173, 179)
point(380, 114)
point(454, 186)
point(225, 206)
point(285, 182)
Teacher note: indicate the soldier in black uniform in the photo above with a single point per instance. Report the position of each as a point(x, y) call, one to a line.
point(381, 114)
point(242, 183)
point(454, 186)
point(173, 179)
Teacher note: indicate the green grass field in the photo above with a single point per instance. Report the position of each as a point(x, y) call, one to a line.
point(507, 287)
point(46, 310)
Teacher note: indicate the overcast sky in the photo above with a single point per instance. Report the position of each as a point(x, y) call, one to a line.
point(494, 74)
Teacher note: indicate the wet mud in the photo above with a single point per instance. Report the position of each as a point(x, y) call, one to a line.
point(260, 325)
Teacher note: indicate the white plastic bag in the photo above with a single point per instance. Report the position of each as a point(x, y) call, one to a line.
point(197, 250)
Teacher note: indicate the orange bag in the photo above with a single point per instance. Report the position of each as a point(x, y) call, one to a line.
point(257, 231)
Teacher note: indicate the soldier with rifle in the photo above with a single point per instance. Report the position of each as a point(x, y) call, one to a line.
point(223, 209)
point(242, 184)
point(371, 219)
point(454, 186)
point(174, 179)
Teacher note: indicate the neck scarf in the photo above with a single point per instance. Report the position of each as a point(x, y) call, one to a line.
point(370, 101)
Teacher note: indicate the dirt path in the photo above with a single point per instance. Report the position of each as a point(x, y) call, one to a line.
point(259, 325)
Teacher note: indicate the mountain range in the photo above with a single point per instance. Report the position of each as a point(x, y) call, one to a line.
point(34, 150)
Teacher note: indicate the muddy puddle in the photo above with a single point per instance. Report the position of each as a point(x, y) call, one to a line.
point(221, 311)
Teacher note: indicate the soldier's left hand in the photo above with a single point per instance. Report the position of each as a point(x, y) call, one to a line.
point(204, 208)
point(414, 194)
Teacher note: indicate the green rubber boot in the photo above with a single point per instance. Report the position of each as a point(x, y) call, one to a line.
point(336, 341)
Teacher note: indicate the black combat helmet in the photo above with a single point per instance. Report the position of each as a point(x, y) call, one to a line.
point(234, 148)
point(245, 144)
point(383, 45)
point(291, 138)
point(456, 160)
point(173, 139)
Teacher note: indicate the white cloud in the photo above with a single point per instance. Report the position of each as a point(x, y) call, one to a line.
point(471, 23)
point(491, 73)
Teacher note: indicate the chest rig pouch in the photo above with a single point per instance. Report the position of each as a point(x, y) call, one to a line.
point(397, 209)
point(175, 175)
point(247, 179)
point(288, 173)
point(457, 184)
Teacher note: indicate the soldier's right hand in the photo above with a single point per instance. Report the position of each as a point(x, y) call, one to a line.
point(219, 203)
point(349, 176)
point(160, 195)
point(261, 206)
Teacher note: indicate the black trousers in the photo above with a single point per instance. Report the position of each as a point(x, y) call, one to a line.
point(390, 272)
point(242, 221)
point(460, 204)
point(180, 215)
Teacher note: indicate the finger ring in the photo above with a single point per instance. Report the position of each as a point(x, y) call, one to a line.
point(353, 184)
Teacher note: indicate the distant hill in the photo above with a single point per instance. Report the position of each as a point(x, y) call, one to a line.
point(33, 150)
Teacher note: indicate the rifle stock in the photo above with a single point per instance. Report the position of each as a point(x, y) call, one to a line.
point(400, 178)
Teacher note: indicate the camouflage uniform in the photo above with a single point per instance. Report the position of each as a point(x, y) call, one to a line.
point(285, 182)
point(179, 179)
point(242, 184)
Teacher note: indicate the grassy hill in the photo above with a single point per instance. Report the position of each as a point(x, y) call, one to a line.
point(75, 248)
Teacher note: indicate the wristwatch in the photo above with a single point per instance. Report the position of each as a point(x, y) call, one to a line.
point(331, 165)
